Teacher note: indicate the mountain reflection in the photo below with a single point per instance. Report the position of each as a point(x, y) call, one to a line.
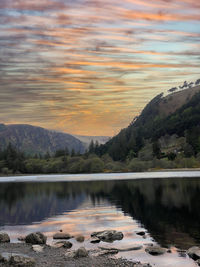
point(167, 208)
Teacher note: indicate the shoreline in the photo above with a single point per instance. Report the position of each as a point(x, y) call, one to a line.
point(155, 174)
point(56, 257)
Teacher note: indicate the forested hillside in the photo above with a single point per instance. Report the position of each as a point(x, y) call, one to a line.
point(31, 139)
point(155, 126)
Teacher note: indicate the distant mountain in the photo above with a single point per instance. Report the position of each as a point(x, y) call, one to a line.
point(32, 139)
point(174, 118)
point(87, 139)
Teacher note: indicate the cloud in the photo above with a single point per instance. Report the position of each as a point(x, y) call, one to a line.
point(88, 66)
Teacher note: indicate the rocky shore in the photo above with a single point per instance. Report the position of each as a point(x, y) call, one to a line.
point(33, 251)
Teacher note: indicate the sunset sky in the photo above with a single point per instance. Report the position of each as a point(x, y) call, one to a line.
point(89, 66)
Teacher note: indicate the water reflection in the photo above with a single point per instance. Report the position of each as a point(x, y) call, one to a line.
point(167, 208)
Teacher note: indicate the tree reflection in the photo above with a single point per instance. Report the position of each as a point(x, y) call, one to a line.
point(167, 208)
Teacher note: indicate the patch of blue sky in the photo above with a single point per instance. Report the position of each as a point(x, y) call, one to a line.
point(185, 26)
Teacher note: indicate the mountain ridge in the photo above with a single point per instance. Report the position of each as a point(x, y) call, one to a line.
point(34, 139)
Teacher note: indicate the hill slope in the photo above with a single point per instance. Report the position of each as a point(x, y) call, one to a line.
point(32, 139)
point(177, 113)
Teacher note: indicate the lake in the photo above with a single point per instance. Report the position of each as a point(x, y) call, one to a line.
point(167, 208)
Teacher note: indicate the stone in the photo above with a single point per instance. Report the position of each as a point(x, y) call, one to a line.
point(61, 235)
point(95, 240)
point(70, 254)
point(37, 248)
point(105, 252)
point(142, 233)
point(80, 238)
point(194, 253)
point(2, 258)
point(5, 257)
point(155, 250)
point(108, 235)
point(81, 252)
point(67, 244)
point(4, 238)
point(20, 260)
point(57, 245)
point(64, 244)
point(125, 248)
point(198, 262)
point(142, 265)
point(36, 238)
point(21, 238)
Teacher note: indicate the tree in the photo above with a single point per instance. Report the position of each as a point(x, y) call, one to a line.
point(91, 147)
point(73, 153)
point(156, 149)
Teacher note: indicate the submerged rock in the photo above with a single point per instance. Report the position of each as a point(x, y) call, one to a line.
point(80, 238)
point(95, 240)
point(64, 244)
point(142, 233)
point(125, 248)
point(108, 235)
point(155, 250)
point(4, 238)
point(61, 235)
point(36, 238)
point(105, 252)
point(194, 253)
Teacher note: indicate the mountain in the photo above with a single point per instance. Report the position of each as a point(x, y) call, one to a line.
point(87, 139)
point(32, 139)
point(167, 124)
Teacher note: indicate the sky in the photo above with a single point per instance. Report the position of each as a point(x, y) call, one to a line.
point(89, 67)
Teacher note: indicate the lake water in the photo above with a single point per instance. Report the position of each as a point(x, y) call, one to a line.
point(168, 209)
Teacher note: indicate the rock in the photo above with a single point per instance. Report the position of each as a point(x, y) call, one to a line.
point(142, 233)
point(4, 238)
point(70, 254)
point(194, 253)
point(198, 262)
point(37, 248)
point(81, 252)
point(21, 238)
point(108, 235)
point(67, 244)
point(61, 235)
point(105, 252)
point(64, 244)
point(155, 250)
point(5, 257)
point(95, 240)
point(57, 245)
point(36, 238)
point(125, 248)
point(142, 265)
point(20, 260)
point(80, 238)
